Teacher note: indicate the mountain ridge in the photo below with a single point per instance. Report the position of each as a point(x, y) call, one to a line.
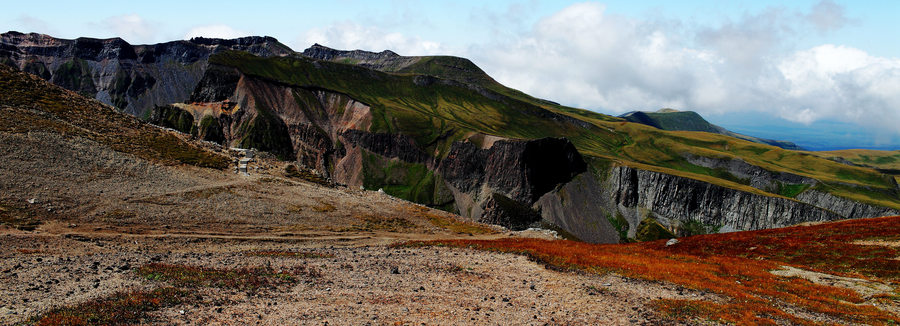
point(675, 120)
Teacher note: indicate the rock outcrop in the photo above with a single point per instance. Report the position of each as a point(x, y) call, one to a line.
point(752, 175)
point(133, 78)
point(385, 60)
point(588, 204)
point(843, 206)
point(498, 184)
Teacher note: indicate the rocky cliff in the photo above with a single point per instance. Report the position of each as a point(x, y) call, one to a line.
point(499, 183)
point(133, 78)
point(589, 205)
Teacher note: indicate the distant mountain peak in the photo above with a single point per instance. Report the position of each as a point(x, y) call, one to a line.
point(671, 119)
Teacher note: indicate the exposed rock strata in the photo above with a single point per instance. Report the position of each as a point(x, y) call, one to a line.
point(134, 78)
point(585, 205)
point(518, 170)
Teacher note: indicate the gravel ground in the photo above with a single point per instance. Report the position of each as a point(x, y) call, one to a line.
point(360, 284)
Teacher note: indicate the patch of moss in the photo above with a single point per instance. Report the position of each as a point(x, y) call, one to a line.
point(620, 224)
point(410, 181)
point(649, 229)
point(75, 75)
point(118, 309)
point(696, 227)
point(791, 190)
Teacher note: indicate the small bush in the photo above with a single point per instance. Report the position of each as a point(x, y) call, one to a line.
point(119, 309)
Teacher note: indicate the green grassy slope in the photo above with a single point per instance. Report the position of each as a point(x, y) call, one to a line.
point(436, 112)
point(888, 160)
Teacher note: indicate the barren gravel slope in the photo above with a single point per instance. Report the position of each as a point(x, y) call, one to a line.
point(358, 285)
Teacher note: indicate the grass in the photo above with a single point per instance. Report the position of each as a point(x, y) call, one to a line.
point(791, 190)
point(324, 207)
point(879, 159)
point(737, 267)
point(250, 279)
point(124, 308)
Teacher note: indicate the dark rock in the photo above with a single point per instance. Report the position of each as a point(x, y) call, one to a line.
point(133, 78)
point(172, 117)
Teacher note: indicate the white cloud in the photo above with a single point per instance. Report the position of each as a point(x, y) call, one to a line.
point(132, 28)
point(843, 83)
point(827, 16)
point(215, 31)
point(352, 36)
point(586, 57)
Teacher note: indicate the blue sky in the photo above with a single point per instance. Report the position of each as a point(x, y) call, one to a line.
point(771, 68)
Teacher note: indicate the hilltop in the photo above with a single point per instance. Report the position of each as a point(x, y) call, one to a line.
point(670, 119)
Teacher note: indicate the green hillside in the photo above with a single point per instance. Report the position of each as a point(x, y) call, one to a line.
point(436, 111)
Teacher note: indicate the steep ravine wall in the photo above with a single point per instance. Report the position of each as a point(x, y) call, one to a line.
point(586, 205)
point(843, 206)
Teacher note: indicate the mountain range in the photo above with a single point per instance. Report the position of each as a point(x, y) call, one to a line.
point(438, 131)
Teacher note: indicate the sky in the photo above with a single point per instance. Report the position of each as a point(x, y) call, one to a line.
point(825, 74)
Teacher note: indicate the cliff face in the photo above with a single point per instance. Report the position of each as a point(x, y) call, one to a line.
point(639, 194)
point(498, 184)
point(133, 78)
point(843, 206)
point(752, 175)
point(588, 204)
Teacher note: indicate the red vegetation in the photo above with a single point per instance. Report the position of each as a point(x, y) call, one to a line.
point(118, 309)
point(737, 266)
